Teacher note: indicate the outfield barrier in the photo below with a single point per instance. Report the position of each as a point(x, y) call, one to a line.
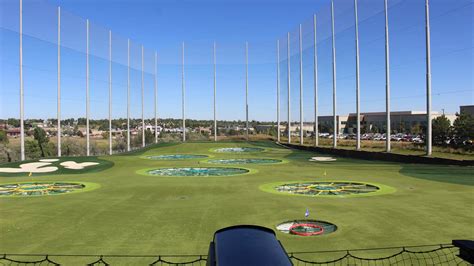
point(381, 156)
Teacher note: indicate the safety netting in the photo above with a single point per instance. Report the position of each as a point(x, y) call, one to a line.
point(443, 254)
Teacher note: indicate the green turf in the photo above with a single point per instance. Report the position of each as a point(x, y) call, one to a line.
point(137, 214)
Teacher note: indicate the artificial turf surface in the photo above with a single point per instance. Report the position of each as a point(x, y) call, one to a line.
point(133, 213)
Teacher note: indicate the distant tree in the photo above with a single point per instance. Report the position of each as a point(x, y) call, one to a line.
point(120, 145)
point(32, 149)
point(325, 128)
point(81, 121)
point(401, 127)
point(441, 128)
point(273, 131)
point(149, 138)
point(3, 137)
point(42, 140)
point(4, 149)
point(71, 148)
point(463, 127)
point(218, 131)
point(13, 122)
point(103, 125)
point(416, 129)
point(233, 132)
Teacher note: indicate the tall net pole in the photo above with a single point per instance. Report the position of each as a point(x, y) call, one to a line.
point(357, 76)
point(59, 83)
point(22, 113)
point(143, 98)
point(278, 90)
point(128, 94)
point(316, 129)
point(387, 79)
point(246, 91)
point(335, 125)
point(110, 92)
point(301, 86)
point(183, 96)
point(156, 97)
point(87, 91)
point(215, 93)
point(289, 87)
point(429, 136)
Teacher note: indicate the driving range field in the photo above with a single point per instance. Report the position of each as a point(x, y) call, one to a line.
point(141, 203)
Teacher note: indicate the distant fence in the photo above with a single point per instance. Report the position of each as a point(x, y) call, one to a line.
point(382, 156)
point(442, 254)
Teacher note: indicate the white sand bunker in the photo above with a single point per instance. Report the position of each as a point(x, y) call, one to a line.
point(49, 160)
point(31, 168)
point(322, 159)
point(77, 166)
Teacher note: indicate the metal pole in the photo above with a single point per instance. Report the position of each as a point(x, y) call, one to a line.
point(59, 83)
point(143, 100)
point(156, 98)
point(128, 94)
point(387, 79)
point(22, 112)
point(316, 130)
point(278, 90)
point(301, 86)
point(428, 80)
point(289, 88)
point(246, 90)
point(110, 92)
point(357, 76)
point(87, 91)
point(215, 91)
point(183, 99)
point(335, 126)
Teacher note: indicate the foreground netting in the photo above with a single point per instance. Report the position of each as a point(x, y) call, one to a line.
point(176, 156)
point(445, 254)
point(416, 255)
point(306, 227)
point(327, 188)
point(39, 188)
point(35, 259)
point(244, 161)
point(239, 150)
point(198, 171)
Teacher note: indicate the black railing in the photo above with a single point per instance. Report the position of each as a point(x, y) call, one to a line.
point(441, 254)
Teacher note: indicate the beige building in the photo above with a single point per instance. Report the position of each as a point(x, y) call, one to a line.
point(401, 121)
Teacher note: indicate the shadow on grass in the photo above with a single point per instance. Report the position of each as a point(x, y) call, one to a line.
point(141, 151)
point(265, 144)
point(447, 174)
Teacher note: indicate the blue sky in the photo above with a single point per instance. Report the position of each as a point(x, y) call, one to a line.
point(162, 25)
